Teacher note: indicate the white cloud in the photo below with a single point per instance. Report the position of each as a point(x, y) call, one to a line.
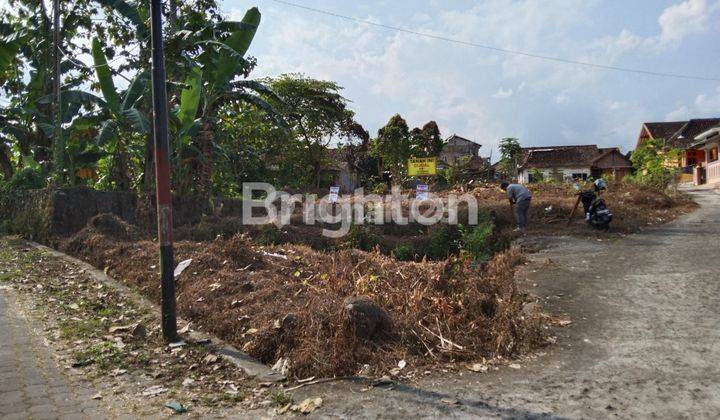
point(562, 99)
point(424, 79)
point(679, 114)
point(502, 94)
point(683, 19)
point(704, 106)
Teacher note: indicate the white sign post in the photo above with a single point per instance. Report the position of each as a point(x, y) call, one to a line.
point(334, 192)
point(421, 192)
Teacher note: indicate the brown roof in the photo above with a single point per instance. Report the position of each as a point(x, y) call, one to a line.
point(680, 134)
point(559, 156)
point(686, 135)
point(664, 130)
point(463, 139)
point(611, 157)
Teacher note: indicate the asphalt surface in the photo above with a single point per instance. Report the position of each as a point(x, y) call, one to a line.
point(644, 340)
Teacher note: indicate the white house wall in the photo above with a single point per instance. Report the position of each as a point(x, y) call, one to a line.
point(567, 173)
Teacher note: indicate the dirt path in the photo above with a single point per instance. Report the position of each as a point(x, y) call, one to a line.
point(644, 342)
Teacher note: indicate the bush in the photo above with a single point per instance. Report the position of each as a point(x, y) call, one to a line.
point(474, 240)
point(655, 164)
point(443, 242)
point(360, 237)
point(268, 235)
point(33, 178)
point(404, 252)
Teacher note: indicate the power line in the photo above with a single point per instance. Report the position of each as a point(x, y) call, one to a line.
point(497, 49)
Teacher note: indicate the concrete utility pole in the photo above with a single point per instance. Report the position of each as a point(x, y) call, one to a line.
point(162, 175)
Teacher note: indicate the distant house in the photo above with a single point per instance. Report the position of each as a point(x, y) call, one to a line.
point(680, 135)
point(339, 172)
point(566, 163)
point(708, 171)
point(457, 147)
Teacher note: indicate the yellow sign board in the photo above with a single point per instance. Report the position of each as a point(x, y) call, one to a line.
point(422, 166)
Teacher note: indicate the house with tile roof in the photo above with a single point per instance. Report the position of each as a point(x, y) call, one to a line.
point(567, 163)
point(680, 135)
point(708, 171)
point(457, 148)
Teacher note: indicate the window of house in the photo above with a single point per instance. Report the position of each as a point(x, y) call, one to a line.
point(713, 154)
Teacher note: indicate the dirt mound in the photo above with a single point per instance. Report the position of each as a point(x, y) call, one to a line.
point(111, 225)
point(292, 302)
point(633, 206)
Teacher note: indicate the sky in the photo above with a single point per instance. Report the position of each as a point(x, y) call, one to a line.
point(486, 95)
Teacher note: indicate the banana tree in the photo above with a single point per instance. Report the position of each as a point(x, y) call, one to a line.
point(121, 114)
point(216, 76)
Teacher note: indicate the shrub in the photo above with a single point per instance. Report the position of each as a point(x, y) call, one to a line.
point(404, 252)
point(268, 235)
point(655, 164)
point(474, 240)
point(360, 237)
point(443, 242)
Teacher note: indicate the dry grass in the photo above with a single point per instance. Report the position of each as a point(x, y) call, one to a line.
point(440, 311)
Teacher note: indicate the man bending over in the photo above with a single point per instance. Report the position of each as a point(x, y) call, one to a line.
point(519, 197)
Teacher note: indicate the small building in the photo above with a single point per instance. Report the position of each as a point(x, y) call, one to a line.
point(568, 163)
point(457, 147)
point(708, 171)
point(680, 135)
point(339, 172)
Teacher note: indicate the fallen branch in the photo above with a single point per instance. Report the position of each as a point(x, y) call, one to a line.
point(321, 381)
point(442, 339)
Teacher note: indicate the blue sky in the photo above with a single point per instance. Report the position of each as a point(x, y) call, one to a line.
point(485, 95)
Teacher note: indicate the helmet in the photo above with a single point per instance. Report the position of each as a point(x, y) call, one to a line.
point(600, 184)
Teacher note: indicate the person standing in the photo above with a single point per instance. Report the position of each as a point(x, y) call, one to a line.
point(520, 198)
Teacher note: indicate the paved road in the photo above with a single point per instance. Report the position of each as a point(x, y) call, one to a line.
point(32, 386)
point(644, 342)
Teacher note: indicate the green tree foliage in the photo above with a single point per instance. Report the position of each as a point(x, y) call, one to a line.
point(317, 115)
point(426, 141)
point(536, 175)
point(253, 147)
point(655, 163)
point(510, 155)
point(392, 146)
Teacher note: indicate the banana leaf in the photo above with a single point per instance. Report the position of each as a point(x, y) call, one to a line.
point(107, 86)
point(9, 46)
point(136, 89)
point(108, 130)
point(129, 11)
point(243, 35)
point(190, 98)
point(138, 121)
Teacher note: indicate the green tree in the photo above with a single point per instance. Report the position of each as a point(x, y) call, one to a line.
point(26, 63)
point(510, 155)
point(317, 114)
point(217, 75)
point(655, 163)
point(393, 147)
point(120, 113)
point(254, 147)
point(426, 141)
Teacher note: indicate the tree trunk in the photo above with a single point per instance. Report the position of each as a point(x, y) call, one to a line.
point(5, 164)
point(205, 140)
point(58, 138)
